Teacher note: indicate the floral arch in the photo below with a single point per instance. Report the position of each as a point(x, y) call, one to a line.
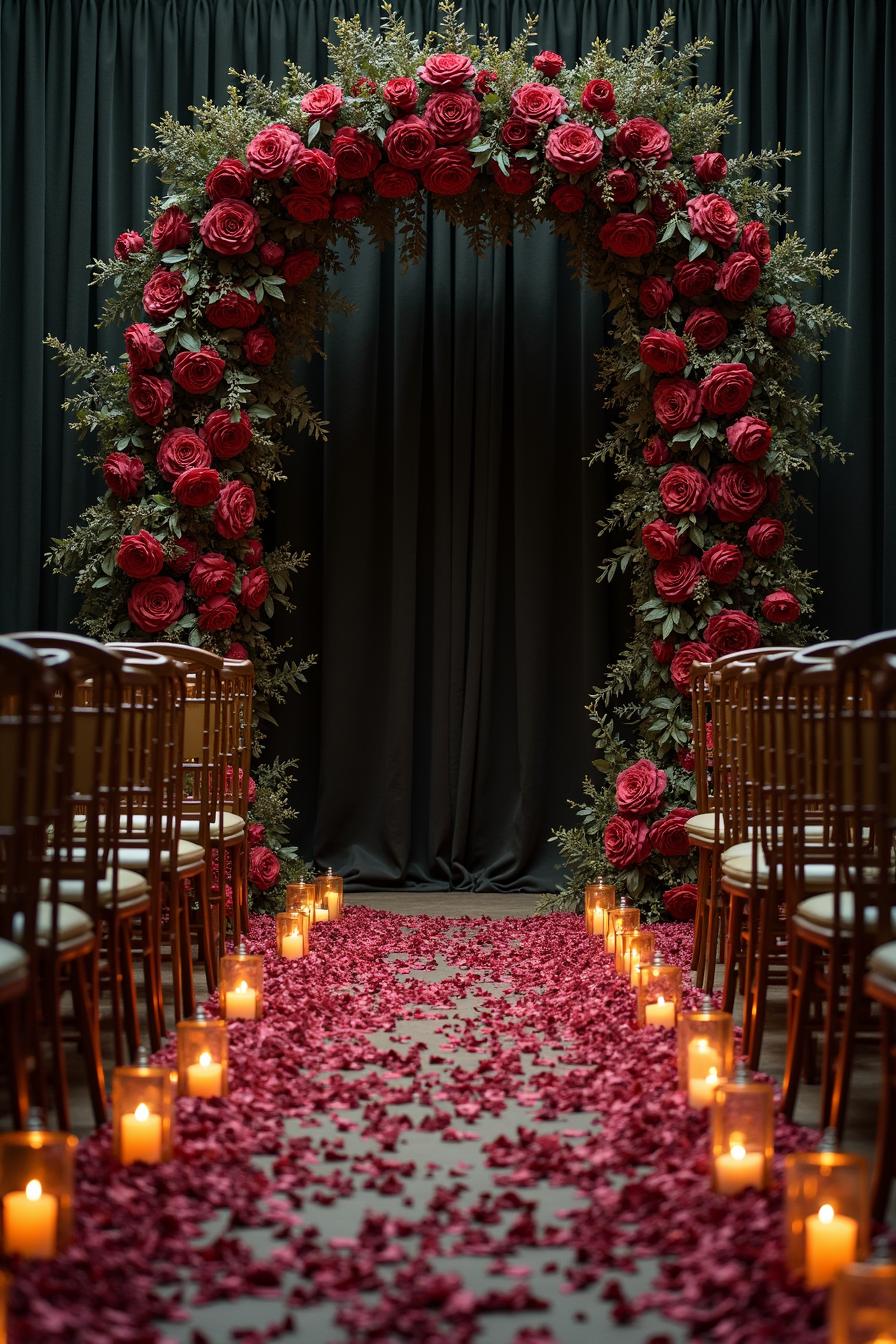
point(228, 282)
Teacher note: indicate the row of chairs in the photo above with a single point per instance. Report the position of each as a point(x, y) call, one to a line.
point(124, 798)
point(795, 764)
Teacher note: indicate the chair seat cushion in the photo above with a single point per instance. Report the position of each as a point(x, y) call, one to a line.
point(132, 889)
point(818, 911)
point(882, 961)
point(702, 827)
point(13, 965)
point(137, 856)
point(73, 925)
point(224, 828)
point(738, 866)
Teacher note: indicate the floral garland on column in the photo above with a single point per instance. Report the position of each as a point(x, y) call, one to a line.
point(227, 284)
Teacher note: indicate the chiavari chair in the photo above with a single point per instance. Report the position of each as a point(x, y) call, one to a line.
point(232, 849)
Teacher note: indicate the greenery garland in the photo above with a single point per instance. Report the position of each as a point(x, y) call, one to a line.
point(231, 273)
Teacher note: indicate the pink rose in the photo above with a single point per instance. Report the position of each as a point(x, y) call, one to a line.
point(684, 489)
point(255, 587)
point(453, 118)
point(713, 218)
point(212, 574)
point(264, 868)
point(780, 322)
point(196, 487)
point(144, 348)
point(680, 666)
point(140, 556)
point(668, 835)
point(150, 398)
point(676, 403)
point(163, 292)
point(156, 603)
point(322, 103)
point(123, 475)
point(639, 788)
point(409, 143)
point(663, 351)
point(781, 607)
point(722, 562)
point(181, 449)
point(401, 93)
point(270, 153)
point(172, 228)
point(233, 310)
point(226, 437)
point(739, 277)
point(229, 179)
point(218, 613)
point(355, 155)
point(707, 328)
point(726, 388)
point(259, 346)
point(749, 438)
point(655, 294)
point(573, 148)
point(126, 244)
point(198, 371)
point(711, 167)
point(765, 537)
point(230, 228)
point(732, 632)
point(737, 492)
point(538, 102)
point(626, 842)
point(447, 70)
point(675, 580)
point(660, 540)
point(644, 141)
point(235, 510)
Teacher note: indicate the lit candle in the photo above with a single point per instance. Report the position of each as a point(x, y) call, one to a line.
point(204, 1078)
point(332, 904)
point(627, 964)
point(293, 945)
point(636, 966)
point(737, 1170)
point(831, 1240)
point(30, 1220)
point(321, 914)
point(140, 1136)
point(598, 920)
point(704, 1064)
point(611, 940)
point(240, 1002)
point(702, 1090)
point(660, 1014)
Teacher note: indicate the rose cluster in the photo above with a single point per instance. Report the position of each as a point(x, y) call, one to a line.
point(639, 828)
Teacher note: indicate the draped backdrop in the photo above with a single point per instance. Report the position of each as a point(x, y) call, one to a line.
point(450, 594)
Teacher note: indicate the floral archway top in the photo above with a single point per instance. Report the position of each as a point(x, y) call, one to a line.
point(228, 282)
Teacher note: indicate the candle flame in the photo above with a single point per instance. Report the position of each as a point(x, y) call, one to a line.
point(826, 1213)
point(712, 1076)
point(33, 1190)
point(660, 999)
point(242, 988)
point(141, 1112)
point(738, 1152)
point(703, 1045)
point(205, 1059)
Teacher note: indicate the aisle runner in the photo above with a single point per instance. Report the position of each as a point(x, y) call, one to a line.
point(479, 1147)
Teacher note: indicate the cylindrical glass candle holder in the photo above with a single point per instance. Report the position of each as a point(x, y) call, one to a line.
point(863, 1300)
point(329, 893)
point(639, 947)
point(142, 1112)
point(4, 1307)
point(292, 934)
point(202, 1056)
point(241, 985)
point(620, 920)
point(742, 1133)
point(300, 896)
point(658, 993)
point(37, 1186)
point(705, 1052)
point(826, 1212)
point(600, 896)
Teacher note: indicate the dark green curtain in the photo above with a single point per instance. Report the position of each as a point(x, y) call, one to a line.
point(450, 594)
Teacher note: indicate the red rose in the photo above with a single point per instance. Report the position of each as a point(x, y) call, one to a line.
point(240, 652)
point(453, 118)
point(573, 148)
point(299, 265)
point(255, 586)
point(233, 310)
point(755, 240)
point(254, 553)
point(548, 63)
point(212, 574)
point(656, 451)
point(184, 556)
point(517, 181)
point(660, 540)
point(737, 492)
point(252, 789)
point(663, 351)
point(680, 903)
point(693, 278)
point(230, 228)
point(409, 143)
point(259, 346)
point(149, 398)
point(393, 183)
point(749, 438)
point(781, 607)
point(567, 198)
point(726, 388)
point(484, 82)
point(314, 172)
point(172, 228)
point(654, 295)
point(449, 171)
point(448, 70)
point(668, 835)
point(680, 666)
point(144, 348)
point(198, 371)
point(626, 842)
point(229, 180)
point(639, 788)
point(180, 450)
point(269, 153)
point(140, 556)
point(780, 322)
point(218, 613)
point(773, 489)
point(722, 563)
point(347, 205)
point(355, 155)
point(401, 94)
point(644, 141)
point(264, 868)
point(628, 235)
point(123, 475)
point(707, 328)
point(196, 487)
point(711, 167)
point(271, 254)
point(235, 510)
point(664, 204)
point(154, 604)
point(538, 102)
point(307, 209)
point(599, 95)
point(765, 537)
point(517, 132)
point(163, 292)
point(322, 103)
point(732, 632)
point(739, 277)
point(676, 403)
point(675, 580)
point(255, 833)
point(624, 186)
point(713, 218)
point(684, 489)
point(663, 650)
point(226, 437)
point(126, 244)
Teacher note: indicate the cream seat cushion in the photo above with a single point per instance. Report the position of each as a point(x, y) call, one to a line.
point(73, 925)
point(13, 965)
point(818, 911)
point(132, 888)
point(738, 867)
point(226, 827)
point(137, 856)
point(883, 961)
point(702, 827)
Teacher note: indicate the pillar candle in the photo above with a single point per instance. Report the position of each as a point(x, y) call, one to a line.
point(831, 1240)
point(321, 914)
point(660, 1014)
point(293, 946)
point(140, 1136)
point(30, 1221)
point(333, 904)
point(204, 1078)
point(636, 966)
point(738, 1169)
point(702, 1090)
point(240, 1002)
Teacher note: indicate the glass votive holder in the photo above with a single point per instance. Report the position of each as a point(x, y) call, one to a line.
point(202, 1056)
point(292, 934)
point(826, 1212)
point(741, 1133)
point(705, 1052)
point(241, 985)
point(142, 1112)
point(600, 896)
point(37, 1187)
point(863, 1300)
point(620, 919)
point(639, 945)
point(300, 896)
point(329, 894)
point(658, 993)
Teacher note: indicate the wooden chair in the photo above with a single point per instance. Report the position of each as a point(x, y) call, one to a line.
point(232, 847)
point(880, 989)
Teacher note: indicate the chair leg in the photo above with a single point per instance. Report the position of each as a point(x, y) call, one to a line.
point(732, 947)
point(152, 981)
point(86, 1004)
point(754, 904)
point(759, 998)
point(885, 1160)
point(128, 987)
point(714, 911)
point(18, 1072)
point(207, 946)
point(832, 1025)
point(799, 1005)
point(53, 1015)
point(174, 937)
point(115, 988)
point(849, 1023)
point(700, 916)
point(186, 953)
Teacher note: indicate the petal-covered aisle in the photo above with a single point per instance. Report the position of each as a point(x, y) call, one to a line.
point(442, 1130)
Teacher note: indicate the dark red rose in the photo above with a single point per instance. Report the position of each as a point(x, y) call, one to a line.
point(517, 132)
point(663, 351)
point(755, 240)
point(140, 556)
point(126, 244)
point(314, 172)
point(198, 371)
point(644, 141)
point(666, 202)
point(154, 604)
point(749, 438)
point(230, 228)
point(737, 492)
point(680, 666)
point(264, 868)
point(517, 181)
point(538, 102)
point(447, 70)
point(218, 613)
point(694, 278)
point(181, 449)
point(255, 833)
point(780, 322)
point(269, 153)
point(453, 118)
point(123, 475)
point(449, 171)
point(675, 580)
point(144, 348)
point(172, 228)
point(259, 346)
point(739, 277)
point(229, 180)
point(393, 183)
point(254, 553)
point(271, 254)
point(299, 265)
point(233, 310)
point(149, 398)
point(567, 198)
point(255, 586)
point(322, 103)
point(226, 437)
point(573, 148)
point(599, 95)
point(668, 835)
point(660, 540)
point(196, 487)
point(684, 489)
point(626, 842)
point(306, 209)
point(722, 563)
point(676, 403)
point(234, 511)
point(355, 155)
point(731, 632)
point(781, 607)
point(347, 205)
point(713, 218)
point(639, 788)
point(656, 451)
point(363, 86)
point(409, 143)
point(765, 537)
point(184, 555)
point(707, 328)
point(548, 63)
point(663, 650)
point(710, 167)
point(401, 94)
point(251, 791)
point(680, 903)
point(239, 652)
point(628, 235)
point(726, 389)
point(212, 574)
point(655, 294)
point(484, 82)
point(163, 292)
point(624, 186)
